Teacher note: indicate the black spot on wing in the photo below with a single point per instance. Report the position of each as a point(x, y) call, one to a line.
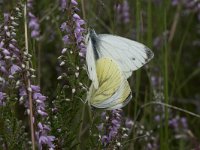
point(149, 54)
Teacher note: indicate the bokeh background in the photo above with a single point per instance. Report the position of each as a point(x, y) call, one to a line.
point(164, 112)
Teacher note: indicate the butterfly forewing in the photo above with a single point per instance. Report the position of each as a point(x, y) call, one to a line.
point(130, 55)
point(91, 67)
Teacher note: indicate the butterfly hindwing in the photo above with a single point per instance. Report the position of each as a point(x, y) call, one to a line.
point(113, 86)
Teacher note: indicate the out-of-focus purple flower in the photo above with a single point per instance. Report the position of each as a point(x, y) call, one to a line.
point(129, 123)
point(184, 122)
point(105, 139)
point(175, 2)
point(74, 2)
point(157, 118)
point(159, 40)
point(122, 12)
point(100, 127)
point(63, 4)
point(33, 21)
point(2, 96)
point(178, 123)
point(66, 39)
point(174, 123)
point(6, 17)
point(64, 27)
point(188, 6)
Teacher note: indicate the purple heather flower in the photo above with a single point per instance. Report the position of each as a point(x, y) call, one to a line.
point(64, 27)
point(2, 96)
point(122, 11)
point(63, 4)
point(14, 68)
point(44, 139)
point(175, 2)
point(159, 40)
point(174, 123)
point(74, 2)
point(6, 17)
point(66, 39)
point(178, 122)
point(129, 123)
point(125, 11)
point(112, 126)
point(35, 88)
point(77, 31)
point(105, 139)
point(33, 21)
point(184, 122)
point(34, 34)
point(100, 126)
point(157, 118)
point(188, 6)
point(10, 64)
point(42, 134)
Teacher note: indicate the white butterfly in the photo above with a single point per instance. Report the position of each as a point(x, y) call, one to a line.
point(129, 55)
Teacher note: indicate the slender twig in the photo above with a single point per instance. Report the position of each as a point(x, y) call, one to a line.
point(136, 138)
point(166, 105)
point(83, 9)
point(28, 81)
point(175, 22)
point(48, 13)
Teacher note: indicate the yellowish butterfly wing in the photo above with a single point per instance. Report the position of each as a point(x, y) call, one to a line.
point(123, 98)
point(109, 78)
point(113, 87)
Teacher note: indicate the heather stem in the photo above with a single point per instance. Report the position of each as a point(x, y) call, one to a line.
point(28, 80)
point(83, 9)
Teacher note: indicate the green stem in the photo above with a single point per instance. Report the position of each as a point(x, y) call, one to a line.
point(81, 126)
point(166, 90)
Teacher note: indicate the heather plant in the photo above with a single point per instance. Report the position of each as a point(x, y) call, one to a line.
point(44, 80)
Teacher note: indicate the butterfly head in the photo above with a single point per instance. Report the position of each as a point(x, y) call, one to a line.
point(91, 35)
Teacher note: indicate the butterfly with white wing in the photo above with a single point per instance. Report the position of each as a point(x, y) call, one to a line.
point(110, 62)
